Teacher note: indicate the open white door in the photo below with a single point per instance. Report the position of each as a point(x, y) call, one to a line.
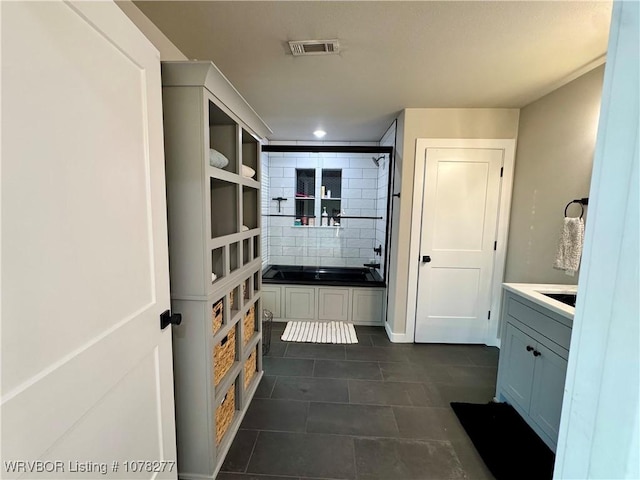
point(87, 381)
point(459, 219)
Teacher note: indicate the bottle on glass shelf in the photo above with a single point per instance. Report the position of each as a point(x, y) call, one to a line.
point(325, 218)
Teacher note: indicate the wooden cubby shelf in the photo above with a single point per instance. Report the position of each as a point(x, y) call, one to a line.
point(213, 202)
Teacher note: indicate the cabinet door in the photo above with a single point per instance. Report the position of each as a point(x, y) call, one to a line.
point(367, 306)
point(300, 302)
point(516, 379)
point(548, 390)
point(271, 300)
point(333, 304)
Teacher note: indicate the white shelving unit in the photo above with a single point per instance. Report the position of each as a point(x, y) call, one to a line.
point(207, 209)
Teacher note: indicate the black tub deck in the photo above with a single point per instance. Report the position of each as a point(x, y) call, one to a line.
point(332, 276)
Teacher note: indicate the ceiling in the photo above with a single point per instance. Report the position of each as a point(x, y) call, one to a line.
point(394, 55)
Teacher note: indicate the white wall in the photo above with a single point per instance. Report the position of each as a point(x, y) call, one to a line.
point(414, 123)
point(556, 141)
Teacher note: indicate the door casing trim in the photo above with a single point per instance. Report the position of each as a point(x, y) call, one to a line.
point(502, 230)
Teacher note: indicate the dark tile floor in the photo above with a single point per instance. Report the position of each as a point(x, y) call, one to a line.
point(374, 410)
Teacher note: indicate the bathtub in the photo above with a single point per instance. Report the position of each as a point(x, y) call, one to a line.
point(354, 295)
point(333, 276)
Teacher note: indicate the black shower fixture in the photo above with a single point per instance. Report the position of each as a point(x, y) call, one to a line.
point(377, 160)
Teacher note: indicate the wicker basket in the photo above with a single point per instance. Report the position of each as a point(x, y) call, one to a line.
point(224, 413)
point(249, 369)
point(216, 317)
point(224, 355)
point(249, 325)
point(245, 289)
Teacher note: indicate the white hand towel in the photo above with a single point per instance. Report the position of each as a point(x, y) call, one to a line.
point(216, 159)
point(248, 171)
point(570, 246)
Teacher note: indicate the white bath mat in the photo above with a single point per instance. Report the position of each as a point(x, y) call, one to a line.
point(319, 332)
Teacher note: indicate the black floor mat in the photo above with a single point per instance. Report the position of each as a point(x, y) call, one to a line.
point(509, 447)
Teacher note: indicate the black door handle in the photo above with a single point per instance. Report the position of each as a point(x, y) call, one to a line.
point(426, 259)
point(536, 353)
point(166, 319)
point(529, 348)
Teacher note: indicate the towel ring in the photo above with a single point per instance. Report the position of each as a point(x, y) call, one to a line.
point(579, 203)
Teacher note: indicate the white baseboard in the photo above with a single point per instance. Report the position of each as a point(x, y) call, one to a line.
point(397, 337)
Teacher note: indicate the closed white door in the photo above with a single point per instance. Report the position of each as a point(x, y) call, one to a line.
point(87, 381)
point(458, 231)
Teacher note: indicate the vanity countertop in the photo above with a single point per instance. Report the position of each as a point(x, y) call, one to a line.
point(534, 292)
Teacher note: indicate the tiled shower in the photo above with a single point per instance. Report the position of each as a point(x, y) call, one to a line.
point(349, 187)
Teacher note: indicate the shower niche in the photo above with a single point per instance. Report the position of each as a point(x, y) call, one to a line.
point(305, 195)
point(330, 192)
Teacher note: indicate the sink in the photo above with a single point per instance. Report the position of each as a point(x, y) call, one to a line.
point(566, 298)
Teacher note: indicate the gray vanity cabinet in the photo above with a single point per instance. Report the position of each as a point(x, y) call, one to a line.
point(517, 367)
point(548, 391)
point(533, 364)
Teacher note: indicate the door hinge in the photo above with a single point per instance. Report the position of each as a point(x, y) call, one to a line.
point(495, 245)
point(501, 171)
point(489, 315)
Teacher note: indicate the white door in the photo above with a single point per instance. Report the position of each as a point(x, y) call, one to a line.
point(87, 380)
point(459, 218)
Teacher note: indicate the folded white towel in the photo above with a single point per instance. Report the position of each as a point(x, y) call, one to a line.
point(570, 246)
point(216, 159)
point(244, 228)
point(248, 171)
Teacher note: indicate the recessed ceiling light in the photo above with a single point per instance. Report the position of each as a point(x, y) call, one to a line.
point(319, 133)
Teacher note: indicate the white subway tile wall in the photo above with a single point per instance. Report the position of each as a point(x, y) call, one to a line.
point(389, 140)
point(265, 201)
point(351, 244)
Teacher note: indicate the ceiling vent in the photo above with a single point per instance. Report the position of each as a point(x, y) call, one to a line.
point(314, 47)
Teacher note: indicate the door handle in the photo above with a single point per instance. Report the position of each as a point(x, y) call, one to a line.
point(167, 318)
point(536, 353)
point(529, 348)
point(426, 259)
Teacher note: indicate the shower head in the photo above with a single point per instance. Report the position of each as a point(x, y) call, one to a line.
point(377, 160)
